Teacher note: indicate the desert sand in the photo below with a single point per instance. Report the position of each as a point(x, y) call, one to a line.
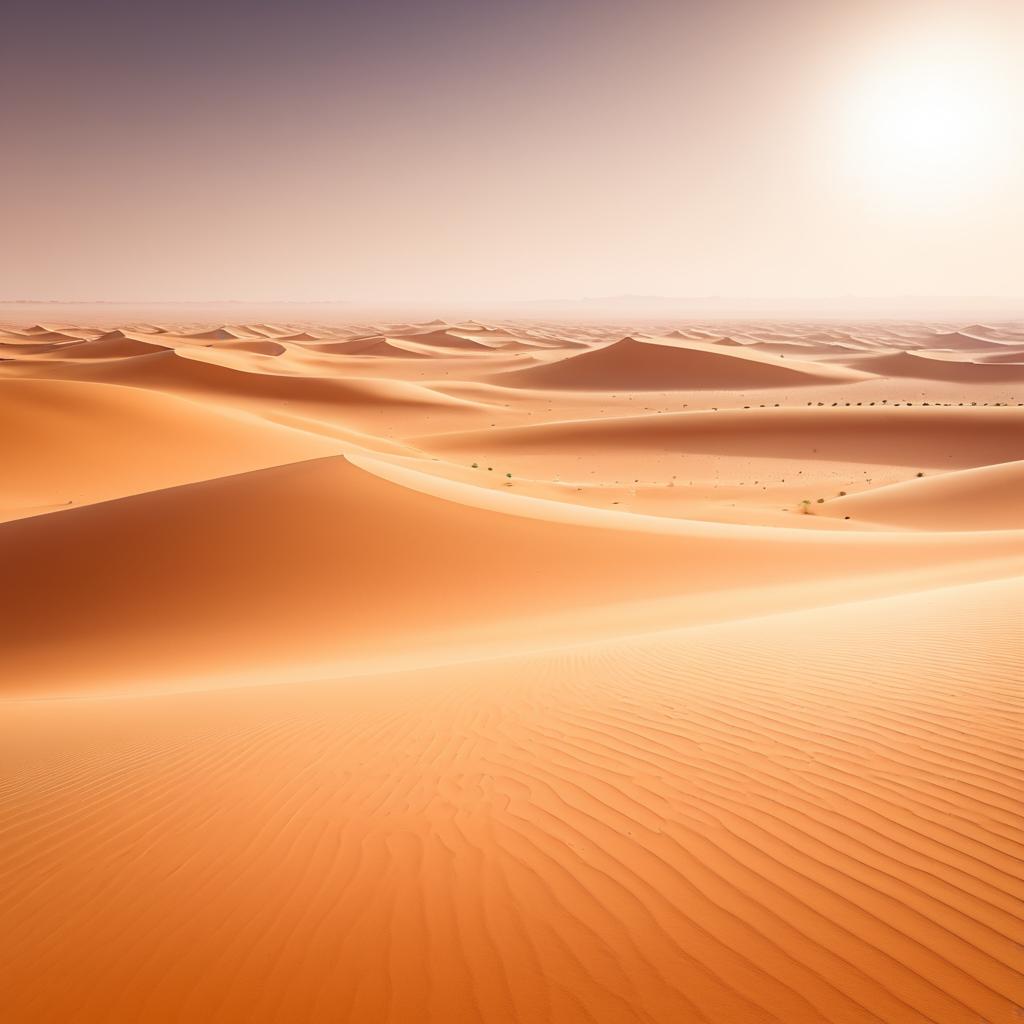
point(511, 672)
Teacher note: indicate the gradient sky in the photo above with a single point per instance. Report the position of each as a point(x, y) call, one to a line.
point(511, 149)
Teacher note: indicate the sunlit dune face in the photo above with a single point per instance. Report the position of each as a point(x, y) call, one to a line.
point(931, 125)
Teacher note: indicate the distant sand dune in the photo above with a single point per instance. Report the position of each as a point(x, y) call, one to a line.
point(630, 364)
point(260, 348)
point(445, 339)
point(1013, 356)
point(916, 436)
point(14, 349)
point(217, 334)
point(114, 345)
point(964, 341)
point(172, 371)
point(376, 345)
point(908, 364)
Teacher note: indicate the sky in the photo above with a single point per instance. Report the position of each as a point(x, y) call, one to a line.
point(489, 150)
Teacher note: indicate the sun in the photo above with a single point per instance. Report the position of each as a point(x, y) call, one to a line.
point(929, 125)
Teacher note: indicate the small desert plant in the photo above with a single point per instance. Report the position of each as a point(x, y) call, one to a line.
point(805, 506)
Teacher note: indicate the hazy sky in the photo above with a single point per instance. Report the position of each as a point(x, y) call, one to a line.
point(506, 149)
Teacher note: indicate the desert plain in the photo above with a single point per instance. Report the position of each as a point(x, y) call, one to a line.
point(511, 671)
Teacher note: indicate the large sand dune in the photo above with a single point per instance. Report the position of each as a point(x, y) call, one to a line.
point(357, 673)
point(65, 444)
point(634, 365)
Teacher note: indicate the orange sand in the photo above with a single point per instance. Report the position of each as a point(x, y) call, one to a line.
point(511, 673)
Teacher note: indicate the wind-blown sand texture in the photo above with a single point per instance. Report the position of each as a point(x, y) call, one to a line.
point(511, 672)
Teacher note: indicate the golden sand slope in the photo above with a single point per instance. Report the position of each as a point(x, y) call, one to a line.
point(749, 822)
point(398, 673)
point(68, 444)
point(985, 498)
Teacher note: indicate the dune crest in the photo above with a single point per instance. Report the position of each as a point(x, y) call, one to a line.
point(631, 364)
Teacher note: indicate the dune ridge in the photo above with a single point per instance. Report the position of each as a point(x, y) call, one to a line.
point(631, 364)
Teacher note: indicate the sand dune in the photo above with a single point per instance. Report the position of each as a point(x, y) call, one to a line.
point(1013, 356)
point(217, 334)
point(909, 364)
point(331, 544)
point(917, 436)
point(1007, 332)
point(301, 336)
point(444, 339)
point(635, 365)
point(419, 673)
point(981, 498)
point(192, 375)
point(66, 444)
point(114, 345)
point(963, 341)
point(256, 347)
point(13, 349)
point(375, 345)
point(41, 335)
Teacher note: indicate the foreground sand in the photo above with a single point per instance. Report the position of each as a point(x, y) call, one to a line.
point(456, 672)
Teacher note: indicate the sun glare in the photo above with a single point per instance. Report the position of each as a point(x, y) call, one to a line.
point(931, 126)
